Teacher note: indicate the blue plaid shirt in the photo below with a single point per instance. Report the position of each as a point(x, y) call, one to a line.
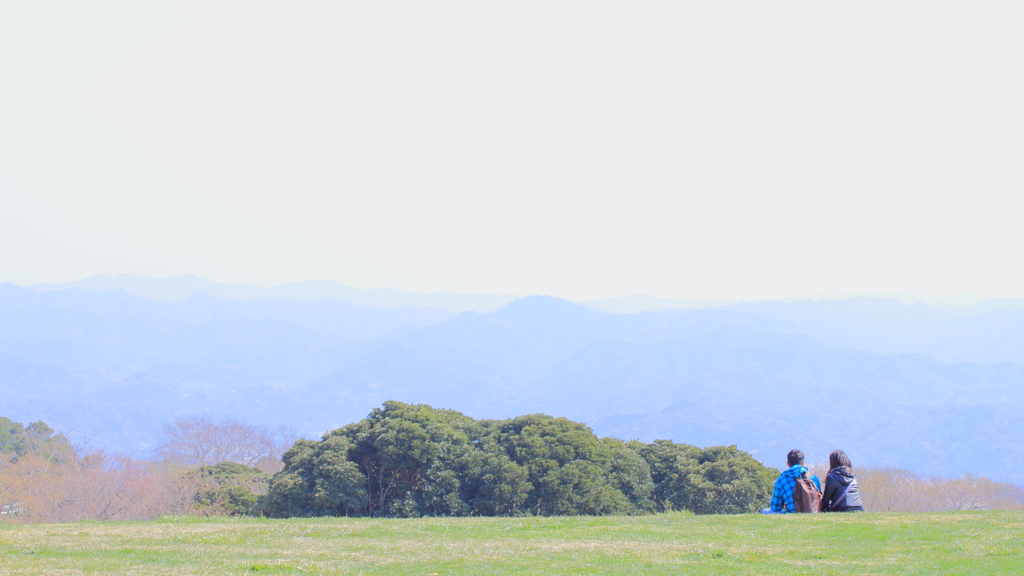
point(782, 496)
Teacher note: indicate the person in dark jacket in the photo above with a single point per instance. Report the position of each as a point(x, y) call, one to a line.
point(842, 494)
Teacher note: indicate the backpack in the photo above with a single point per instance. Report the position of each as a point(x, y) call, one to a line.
point(806, 496)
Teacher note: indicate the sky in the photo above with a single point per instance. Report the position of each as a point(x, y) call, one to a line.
point(699, 150)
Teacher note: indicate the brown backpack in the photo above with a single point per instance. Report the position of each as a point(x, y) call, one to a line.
point(806, 496)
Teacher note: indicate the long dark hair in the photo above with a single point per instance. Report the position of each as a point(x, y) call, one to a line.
point(838, 459)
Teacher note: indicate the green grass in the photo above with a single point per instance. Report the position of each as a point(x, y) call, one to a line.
point(946, 543)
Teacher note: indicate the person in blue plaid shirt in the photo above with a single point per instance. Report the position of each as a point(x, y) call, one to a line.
point(782, 495)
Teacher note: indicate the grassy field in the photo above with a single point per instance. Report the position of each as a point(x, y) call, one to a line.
point(943, 543)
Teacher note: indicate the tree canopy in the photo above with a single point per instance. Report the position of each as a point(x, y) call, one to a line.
point(36, 439)
point(228, 488)
point(407, 460)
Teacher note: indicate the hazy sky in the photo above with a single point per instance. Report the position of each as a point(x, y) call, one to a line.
point(582, 149)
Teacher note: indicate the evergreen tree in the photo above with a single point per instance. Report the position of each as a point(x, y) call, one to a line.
point(716, 480)
point(317, 480)
point(37, 438)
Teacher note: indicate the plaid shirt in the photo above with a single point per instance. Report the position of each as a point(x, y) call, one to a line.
point(782, 496)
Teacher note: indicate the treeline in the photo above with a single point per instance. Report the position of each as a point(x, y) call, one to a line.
point(43, 478)
point(402, 460)
point(898, 490)
point(407, 460)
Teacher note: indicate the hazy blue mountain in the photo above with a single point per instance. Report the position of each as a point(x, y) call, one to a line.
point(636, 303)
point(178, 288)
point(94, 361)
point(990, 331)
point(936, 388)
point(123, 334)
point(906, 297)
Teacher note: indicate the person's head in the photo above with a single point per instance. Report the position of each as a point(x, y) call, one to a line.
point(795, 457)
point(838, 459)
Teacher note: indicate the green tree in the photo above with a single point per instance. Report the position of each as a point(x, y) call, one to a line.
point(566, 464)
point(227, 501)
point(231, 473)
point(717, 480)
point(37, 438)
point(411, 455)
point(666, 460)
point(631, 474)
point(494, 485)
point(724, 480)
point(579, 488)
point(228, 488)
point(317, 480)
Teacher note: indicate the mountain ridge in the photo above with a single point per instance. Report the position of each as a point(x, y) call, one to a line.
point(177, 288)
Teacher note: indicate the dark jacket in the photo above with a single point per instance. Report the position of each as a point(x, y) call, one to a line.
point(835, 484)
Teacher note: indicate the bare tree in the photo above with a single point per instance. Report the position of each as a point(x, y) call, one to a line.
point(898, 490)
point(96, 487)
point(198, 441)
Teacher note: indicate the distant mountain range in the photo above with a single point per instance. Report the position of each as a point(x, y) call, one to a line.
point(939, 389)
point(178, 288)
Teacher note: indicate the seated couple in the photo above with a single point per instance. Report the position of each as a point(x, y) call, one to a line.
point(796, 492)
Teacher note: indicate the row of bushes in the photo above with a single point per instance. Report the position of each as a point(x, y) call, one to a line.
point(407, 460)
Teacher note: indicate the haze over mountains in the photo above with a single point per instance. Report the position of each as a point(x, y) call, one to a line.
point(935, 388)
point(177, 288)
